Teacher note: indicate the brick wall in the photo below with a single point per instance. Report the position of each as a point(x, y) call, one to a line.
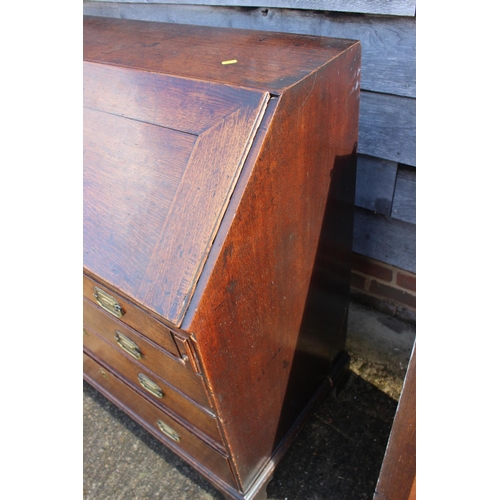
point(384, 287)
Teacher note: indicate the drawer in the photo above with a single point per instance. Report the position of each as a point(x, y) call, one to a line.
point(170, 368)
point(170, 432)
point(153, 387)
point(130, 315)
point(164, 370)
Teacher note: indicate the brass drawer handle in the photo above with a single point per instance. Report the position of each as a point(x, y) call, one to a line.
point(129, 346)
point(168, 431)
point(108, 303)
point(150, 386)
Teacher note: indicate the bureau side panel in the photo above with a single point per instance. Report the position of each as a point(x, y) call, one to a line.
point(271, 318)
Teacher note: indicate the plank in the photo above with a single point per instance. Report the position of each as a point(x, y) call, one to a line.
point(404, 203)
point(385, 7)
point(175, 266)
point(398, 472)
point(375, 181)
point(140, 95)
point(389, 54)
point(387, 127)
point(281, 61)
point(127, 162)
point(384, 238)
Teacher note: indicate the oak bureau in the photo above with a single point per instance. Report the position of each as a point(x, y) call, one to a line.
point(219, 175)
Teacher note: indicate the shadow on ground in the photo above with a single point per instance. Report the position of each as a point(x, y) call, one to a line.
point(336, 456)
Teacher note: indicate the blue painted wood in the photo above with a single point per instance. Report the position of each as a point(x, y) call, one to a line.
point(405, 203)
point(386, 239)
point(386, 7)
point(387, 127)
point(375, 180)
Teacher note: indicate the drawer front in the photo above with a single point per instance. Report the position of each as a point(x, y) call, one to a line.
point(170, 368)
point(164, 428)
point(172, 372)
point(129, 314)
point(153, 387)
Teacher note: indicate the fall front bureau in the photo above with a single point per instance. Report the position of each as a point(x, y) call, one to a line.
point(219, 174)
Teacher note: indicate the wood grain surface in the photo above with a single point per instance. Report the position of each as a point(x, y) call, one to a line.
point(386, 239)
point(173, 402)
point(389, 43)
point(154, 196)
point(135, 317)
point(394, 7)
point(404, 206)
point(375, 181)
point(131, 173)
point(200, 202)
point(397, 480)
point(234, 269)
point(211, 463)
point(269, 62)
point(262, 280)
point(153, 359)
point(159, 99)
point(179, 378)
point(387, 127)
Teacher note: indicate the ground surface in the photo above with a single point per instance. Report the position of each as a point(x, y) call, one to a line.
point(337, 455)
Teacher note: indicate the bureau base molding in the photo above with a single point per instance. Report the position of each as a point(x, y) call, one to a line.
point(99, 377)
point(257, 491)
point(334, 383)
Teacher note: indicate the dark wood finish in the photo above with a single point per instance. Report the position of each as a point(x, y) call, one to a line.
point(137, 172)
point(389, 43)
point(388, 67)
point(197, 210)
point(112, 41)
point(413, 491)
point(173, 373)
point(128, 164)
point(397, 480)
point(160, 99)
point(187, 353)
point(234, 265)
point(190, 447)
point(279, 356)
point(134, 317)
point(157, 365)
point(152, 355)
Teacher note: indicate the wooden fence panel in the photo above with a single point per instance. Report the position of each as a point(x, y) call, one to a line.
point(384, 238)
point(387, 127)
point(386, 7)
point(375, 180)
point(404, 203)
